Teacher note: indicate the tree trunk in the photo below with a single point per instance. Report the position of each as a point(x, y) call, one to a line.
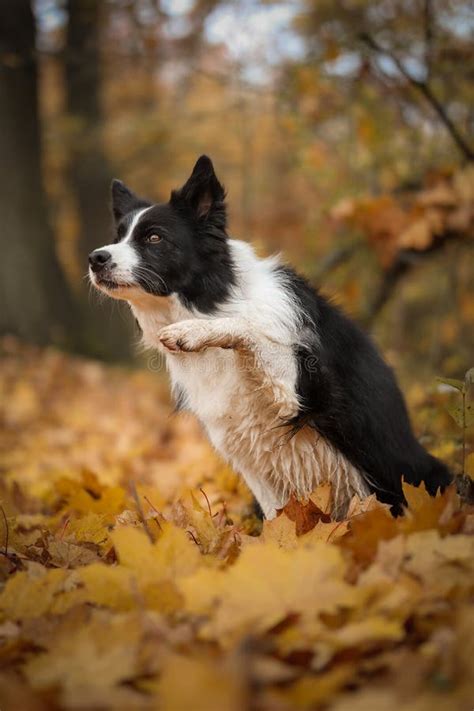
point(35, 300)
point(108, 333)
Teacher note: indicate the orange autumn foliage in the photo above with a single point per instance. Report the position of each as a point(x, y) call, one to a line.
point(139, 578)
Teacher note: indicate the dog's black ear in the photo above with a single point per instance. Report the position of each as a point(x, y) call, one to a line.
point(202, 191)
point(124, 201)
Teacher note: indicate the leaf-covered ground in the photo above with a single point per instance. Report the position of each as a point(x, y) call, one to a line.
point(134, 575)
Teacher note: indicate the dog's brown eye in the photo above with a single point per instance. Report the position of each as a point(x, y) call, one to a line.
point(153, 239)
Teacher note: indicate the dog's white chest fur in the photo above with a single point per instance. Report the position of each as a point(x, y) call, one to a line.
point(237, 372)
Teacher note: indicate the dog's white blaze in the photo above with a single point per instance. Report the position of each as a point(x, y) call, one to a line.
point(135, 219)
point(123, 254)
point(242, 403)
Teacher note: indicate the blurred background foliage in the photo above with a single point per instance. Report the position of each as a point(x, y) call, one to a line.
point(343, 133)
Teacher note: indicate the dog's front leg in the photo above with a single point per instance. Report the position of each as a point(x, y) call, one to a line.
point(269, 364)
point(194, 335)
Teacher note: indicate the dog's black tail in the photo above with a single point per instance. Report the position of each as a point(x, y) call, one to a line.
point(425, 469)
point(432, 472)
point(415, 466)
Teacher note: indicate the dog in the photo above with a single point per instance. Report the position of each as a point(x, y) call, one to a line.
point(289, 390)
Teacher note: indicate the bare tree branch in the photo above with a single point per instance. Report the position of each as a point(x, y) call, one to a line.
point(405, 262)
point(428, 22)
point(425, 90)
point(334, 259)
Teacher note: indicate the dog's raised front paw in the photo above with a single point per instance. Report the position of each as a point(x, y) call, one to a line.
point(183, 337)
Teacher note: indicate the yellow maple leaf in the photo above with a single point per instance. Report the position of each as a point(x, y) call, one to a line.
point(90, 528)
point(325, 532)
point(310, 692)
point(442, 564)
point(322, 497)
point(36, 592)
point(424, 511)
point(200, 684)
point(245, 599)
point(89, 662)
point(108, 586)
point(281, 531)
point(110, 502)
point(173, 554)
point(366, 632)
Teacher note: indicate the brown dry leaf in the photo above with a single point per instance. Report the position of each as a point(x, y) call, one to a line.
point(441, 195)
point(305, 515)
point(413, 222)
point(69, 555)
point(419, 235)
point(366, 531)
point(382, 219)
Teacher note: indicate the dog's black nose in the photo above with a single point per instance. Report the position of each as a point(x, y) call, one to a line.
point(98, 259)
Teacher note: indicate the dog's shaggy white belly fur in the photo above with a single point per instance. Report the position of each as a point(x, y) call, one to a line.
point(237, 372)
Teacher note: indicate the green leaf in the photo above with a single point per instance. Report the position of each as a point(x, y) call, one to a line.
point(469, 415)
point(456, 413)
point(453, 382)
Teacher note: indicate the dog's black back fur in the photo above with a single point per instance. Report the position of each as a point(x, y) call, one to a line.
point(350, 395)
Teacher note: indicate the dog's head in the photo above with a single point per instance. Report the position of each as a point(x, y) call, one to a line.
point(179, 247)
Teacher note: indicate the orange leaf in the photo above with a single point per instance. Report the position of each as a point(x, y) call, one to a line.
point(305, 515)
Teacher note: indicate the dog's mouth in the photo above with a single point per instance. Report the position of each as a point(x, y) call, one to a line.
point(107, 283)
point(111, 283)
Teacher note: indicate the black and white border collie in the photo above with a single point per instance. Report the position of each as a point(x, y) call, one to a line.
point(289, 390)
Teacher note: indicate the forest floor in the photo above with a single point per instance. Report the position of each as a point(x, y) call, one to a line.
point(135, 576)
